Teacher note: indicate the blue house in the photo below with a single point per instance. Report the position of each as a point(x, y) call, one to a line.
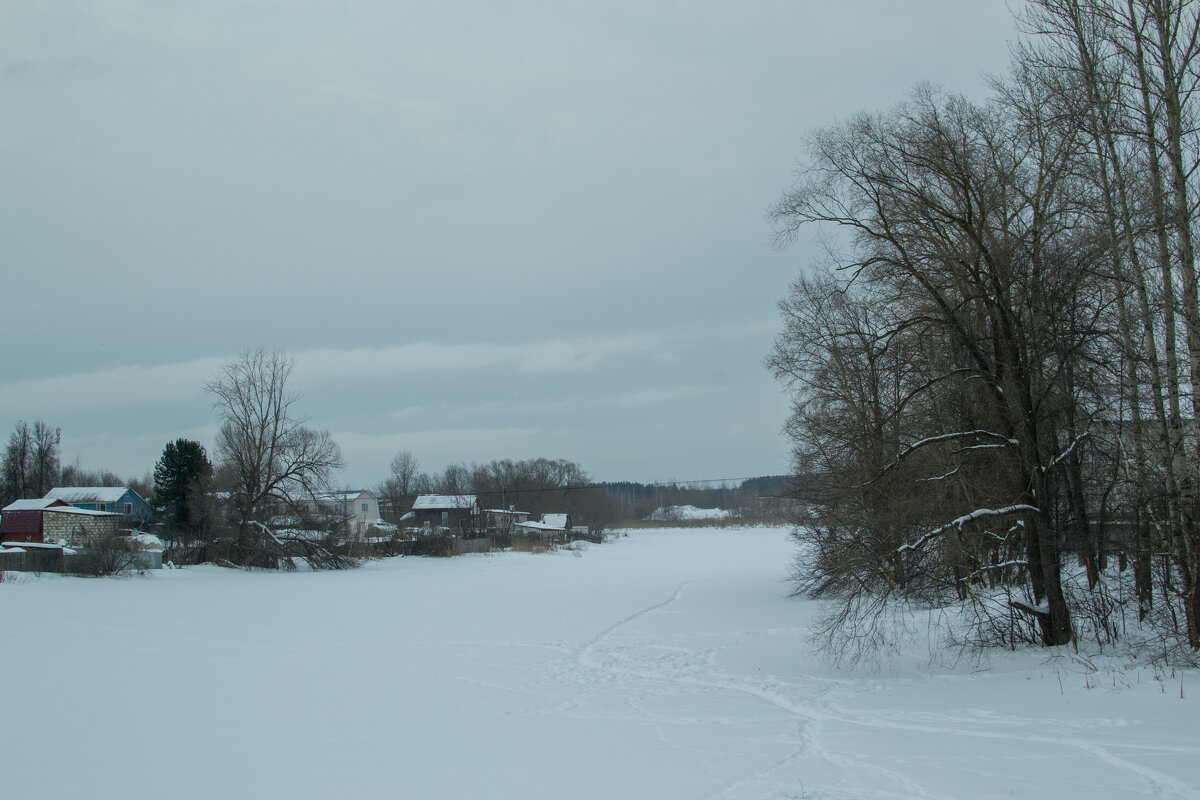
point(115, 499)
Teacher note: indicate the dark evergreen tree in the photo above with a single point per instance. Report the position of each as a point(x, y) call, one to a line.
point(179, 477)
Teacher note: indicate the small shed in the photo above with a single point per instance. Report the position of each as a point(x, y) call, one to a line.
point(22, 521)
point(48, 520)
point(551, 528)
point(503, 520)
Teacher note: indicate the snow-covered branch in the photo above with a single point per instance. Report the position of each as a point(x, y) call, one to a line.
point(945, 437)
point(1002, 565)
point(1070, 448)
point(979, 513)
point(943, 476)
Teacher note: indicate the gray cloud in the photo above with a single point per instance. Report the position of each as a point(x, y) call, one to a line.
point(534, 227)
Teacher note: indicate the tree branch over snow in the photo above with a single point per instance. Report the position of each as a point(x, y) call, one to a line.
point(945, 437)
point(980, 513)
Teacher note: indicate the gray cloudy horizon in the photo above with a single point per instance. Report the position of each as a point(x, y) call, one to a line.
point(482, 230)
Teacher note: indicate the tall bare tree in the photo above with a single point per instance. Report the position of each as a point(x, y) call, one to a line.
point(31, 465)
point(964, 224)
point(275, 460)
point(1132, 69)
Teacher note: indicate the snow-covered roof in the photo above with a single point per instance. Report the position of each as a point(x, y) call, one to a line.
point(437, 502)
point(505, 511)
point(558, 521)
point(54, 505)
point(36, 504)
point(87, 494)
point(83, 512)
point(148, 541)
point(353, 494)
point(540, 526)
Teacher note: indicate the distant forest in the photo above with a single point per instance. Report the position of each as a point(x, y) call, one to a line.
point(764, 497)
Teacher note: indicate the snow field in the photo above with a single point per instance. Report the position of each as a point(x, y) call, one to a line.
point(667, 664)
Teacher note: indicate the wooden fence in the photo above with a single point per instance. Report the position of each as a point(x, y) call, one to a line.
point(33, 560)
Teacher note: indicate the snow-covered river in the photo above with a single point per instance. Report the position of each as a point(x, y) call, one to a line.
point(666, 664)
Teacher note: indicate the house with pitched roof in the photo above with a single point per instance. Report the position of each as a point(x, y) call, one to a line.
point(458, 511)
point(113, 499)
point(357, 509)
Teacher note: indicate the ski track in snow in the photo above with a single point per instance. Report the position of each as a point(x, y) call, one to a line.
point(674, 695)
point(813, 705)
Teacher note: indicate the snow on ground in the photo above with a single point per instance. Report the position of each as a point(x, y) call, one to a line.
point(668, 664)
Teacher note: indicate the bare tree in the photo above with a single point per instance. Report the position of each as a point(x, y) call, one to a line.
point(44, 467)
point(275, 460)
point(31, 460)
point(16, 463)
point(964, 221)
point(76, 474)
point(403, 484)
point(1131, 69)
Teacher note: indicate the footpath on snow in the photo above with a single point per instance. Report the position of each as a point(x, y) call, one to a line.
point(666, 664)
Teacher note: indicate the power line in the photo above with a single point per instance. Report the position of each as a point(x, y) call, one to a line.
point(619, 484)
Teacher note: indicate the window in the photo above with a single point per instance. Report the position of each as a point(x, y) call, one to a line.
point(129, 509)
point(364, 505)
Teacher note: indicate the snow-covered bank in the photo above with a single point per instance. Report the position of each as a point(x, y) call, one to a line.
point(668, 664)
point(689, 514)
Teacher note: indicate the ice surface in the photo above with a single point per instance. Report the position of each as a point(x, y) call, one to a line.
point(668, 664)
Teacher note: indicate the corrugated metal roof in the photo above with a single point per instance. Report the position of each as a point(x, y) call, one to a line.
point(437, 502)
point(88, 494)
point(36, 504)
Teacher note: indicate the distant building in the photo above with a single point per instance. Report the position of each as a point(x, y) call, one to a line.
point(113, 499)
point(502, 520)
point(49, 520)
point(357, 509)
point(552, 527)
point(457, 511)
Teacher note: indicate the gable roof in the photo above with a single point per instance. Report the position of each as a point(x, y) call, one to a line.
point(439, 502)
point(352, 494)
point(540, 526)
point(36, 504)
point(89, 494)
point(560, 521)
point(84, 512)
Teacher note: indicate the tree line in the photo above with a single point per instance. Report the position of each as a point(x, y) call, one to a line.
point(32, 465)
point(996, 364)
point(536, 486)
point(260, 500)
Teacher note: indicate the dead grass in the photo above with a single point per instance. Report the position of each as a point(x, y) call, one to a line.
point(532, 544)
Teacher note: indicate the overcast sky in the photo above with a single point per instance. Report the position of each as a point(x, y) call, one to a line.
point(484, 230)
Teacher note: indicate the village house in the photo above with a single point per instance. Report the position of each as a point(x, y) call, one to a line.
point(502, 521)
point(114, 499)
point(455, 511)
point(356, 509)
